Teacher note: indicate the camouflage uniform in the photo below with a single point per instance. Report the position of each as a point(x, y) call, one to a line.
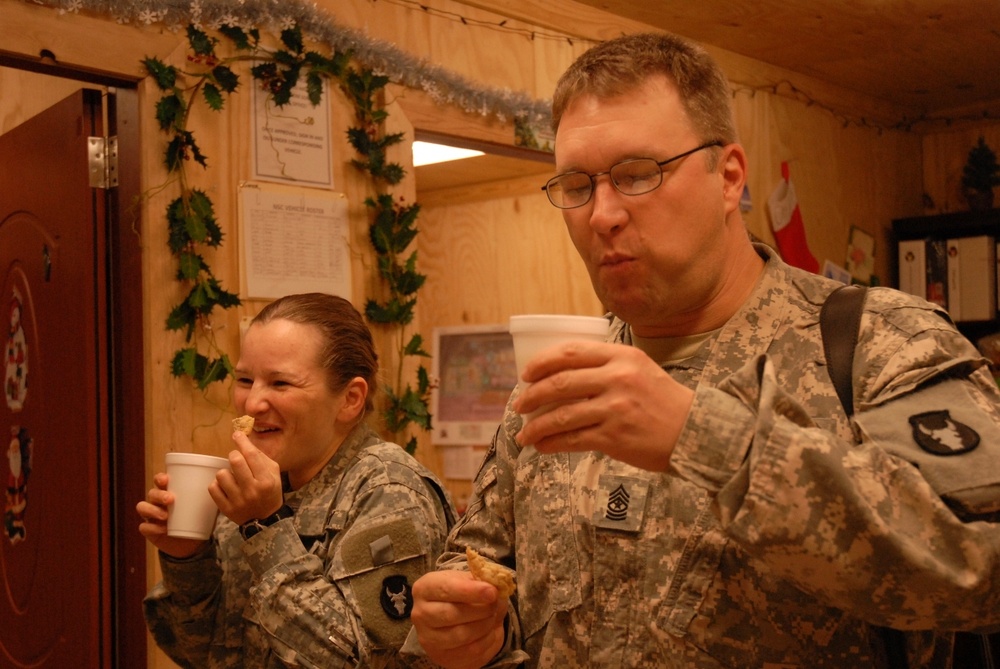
point(782, 531)
point(327, 588)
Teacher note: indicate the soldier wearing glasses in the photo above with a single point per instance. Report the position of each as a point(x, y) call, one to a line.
point(706, 502)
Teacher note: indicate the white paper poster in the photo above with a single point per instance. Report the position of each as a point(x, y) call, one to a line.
point(293, 240)
point(461, 463)
point(291, 144)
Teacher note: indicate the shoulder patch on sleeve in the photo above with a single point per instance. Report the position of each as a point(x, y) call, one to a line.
point(944, 432)
point(376, 566)
point(938, 433)
point(396, 597)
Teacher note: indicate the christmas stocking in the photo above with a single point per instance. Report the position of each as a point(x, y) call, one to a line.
point(786, 222)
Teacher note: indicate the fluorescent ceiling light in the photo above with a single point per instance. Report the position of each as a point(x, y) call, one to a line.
point(425, 153)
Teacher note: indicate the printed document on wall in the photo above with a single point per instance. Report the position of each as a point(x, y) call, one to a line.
point(293, 240)
point(291, 143)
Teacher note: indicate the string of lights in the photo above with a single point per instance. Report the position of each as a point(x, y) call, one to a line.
point(502, 25)
point(787, 89)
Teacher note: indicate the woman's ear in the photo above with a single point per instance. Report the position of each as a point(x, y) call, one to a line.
point(355, 396)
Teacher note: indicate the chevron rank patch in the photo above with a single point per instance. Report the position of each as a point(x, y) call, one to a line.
point(620, 503)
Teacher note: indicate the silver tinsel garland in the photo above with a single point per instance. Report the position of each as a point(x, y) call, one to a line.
point(381, 57)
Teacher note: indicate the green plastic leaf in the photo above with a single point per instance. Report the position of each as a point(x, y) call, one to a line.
point(330, 67)
point(226, 79)
point(180, 148)
point(196, 153)
point(409, 282)
point(416, 347)
point(210, 371)
point(169, 111)
point(242, 40)
point(200, 42)
point(200, 208)
point(182, 317)
point(264, 72)
point(393, 311)
point(175, 153)
point(424, 380)
point(213, 96)
point(314, 87)
point(286, 59)
point(194, 225)
point(359, 140)
point(189, 265)
point(292, 38)
point(393, 173)
point(164, 75)
point(281, 87)
point(223, 298)
point(184, 362)
point(403, 237)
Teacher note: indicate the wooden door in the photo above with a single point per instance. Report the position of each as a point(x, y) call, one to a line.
point(55, 546)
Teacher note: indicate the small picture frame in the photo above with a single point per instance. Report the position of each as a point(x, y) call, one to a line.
point(861, 255)
point(834, 271)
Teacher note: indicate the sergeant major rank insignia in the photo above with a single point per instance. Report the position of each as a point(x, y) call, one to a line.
point(938, 433)
point(620, 502)
point(396, 597)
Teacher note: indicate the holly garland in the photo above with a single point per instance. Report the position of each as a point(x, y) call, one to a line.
point(191, 219)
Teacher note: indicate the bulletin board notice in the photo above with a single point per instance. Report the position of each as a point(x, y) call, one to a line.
point(293, 240)
point(291, 144)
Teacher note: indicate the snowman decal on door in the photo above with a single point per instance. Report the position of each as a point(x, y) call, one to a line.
point(16, 377)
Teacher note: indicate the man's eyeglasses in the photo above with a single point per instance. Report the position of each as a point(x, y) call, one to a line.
point(629, 177)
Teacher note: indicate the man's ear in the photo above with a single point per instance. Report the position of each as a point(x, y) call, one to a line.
point(733, 166)
point(355, 396)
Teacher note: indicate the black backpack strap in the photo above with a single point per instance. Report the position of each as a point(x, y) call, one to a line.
point(839, 319)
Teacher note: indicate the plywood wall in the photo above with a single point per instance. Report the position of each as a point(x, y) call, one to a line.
point(945, 153)
point(485, 257)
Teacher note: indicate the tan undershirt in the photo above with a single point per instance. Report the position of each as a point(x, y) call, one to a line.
point(666, 350)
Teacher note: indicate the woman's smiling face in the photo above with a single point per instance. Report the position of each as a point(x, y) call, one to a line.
point(280, 383)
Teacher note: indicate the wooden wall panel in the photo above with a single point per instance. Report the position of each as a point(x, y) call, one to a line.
point(488, 260)
point(945, 153)
point(464, 40)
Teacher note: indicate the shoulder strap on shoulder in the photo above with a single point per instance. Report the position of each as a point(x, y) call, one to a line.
point(839, 319)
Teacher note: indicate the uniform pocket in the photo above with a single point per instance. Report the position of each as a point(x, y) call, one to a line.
point(551, 580)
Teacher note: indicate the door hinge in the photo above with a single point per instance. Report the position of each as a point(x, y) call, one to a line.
point(102, 158)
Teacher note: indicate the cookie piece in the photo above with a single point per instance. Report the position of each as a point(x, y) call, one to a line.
point(484, 570)
point(243, 424)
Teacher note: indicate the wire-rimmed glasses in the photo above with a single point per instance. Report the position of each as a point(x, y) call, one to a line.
point(635, 176)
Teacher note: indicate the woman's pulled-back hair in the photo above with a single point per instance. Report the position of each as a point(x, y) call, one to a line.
point(347, 351)
point(620, 65)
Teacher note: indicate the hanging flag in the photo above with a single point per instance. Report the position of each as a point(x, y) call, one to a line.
point(786, 222)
